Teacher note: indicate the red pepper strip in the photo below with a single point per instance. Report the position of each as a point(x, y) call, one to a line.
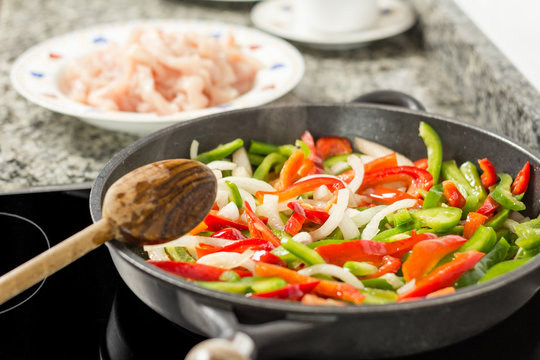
point(216, 222)
point(289, 171)
point(418, 178)
point(328, 146)
point(383, 162)
point(205, 249)
point(193, 271)
point(239, 247)
point(268, 257)
point(368, 250)
point(290, 292)
point(257, 228)
point(452, 194)
point(387, 195)
point(294, 224)
point(444, 291)
point(229, 233)
point(422, 163)
point(426, 254)
point(474, 220)
point(325, 288)
point(489, 175)
point(390, 265)
point(197, 229)
point(489, 207)
point(301, 187)
point(307, 138)
point(445, 275)
point(522, 180)
point(309, 212)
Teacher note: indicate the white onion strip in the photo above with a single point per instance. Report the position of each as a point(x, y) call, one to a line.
point(335, 271)
point(363, 217)
point(372, 228)
point(348, 228)
point(194, 149)
point(229, 260)
point(249, 184)
point(336, 215)
point(230, 211)
point(377, 150)
point(221, 165)
point(240, 157)
point(358, 168)
point(269, 209)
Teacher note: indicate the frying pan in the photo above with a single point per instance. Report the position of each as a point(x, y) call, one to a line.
point(281, 329)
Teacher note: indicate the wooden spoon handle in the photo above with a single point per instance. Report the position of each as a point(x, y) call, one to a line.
point(54, 259)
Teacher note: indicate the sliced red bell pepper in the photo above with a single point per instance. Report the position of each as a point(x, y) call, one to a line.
point(309, 212)
point(442, 292)
point(307, 138)
point(390, 265)
point(229, 233)
point(473, 221)
point(521, 181)
point(489, 175)
point(216, 222)
point(199, 228)
point(386, 195)
point(444, 275)
point(416, 177)
point(368, 250)
point(328, 146)
point(302, 187)
point(380, 163)
point(294, 224)
point(289, 292)
point(489, 207)
point(289, 172)
point(257, 228)
point(426, 254)
point(268, 257)
point(193, 271)
point(421, 163)
point(452, 194)
point(238, 246)
point(325, 288)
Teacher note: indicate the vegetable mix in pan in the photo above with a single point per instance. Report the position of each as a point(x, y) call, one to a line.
point(323, 224)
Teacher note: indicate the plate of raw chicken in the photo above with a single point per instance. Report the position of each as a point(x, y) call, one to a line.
point(141, 76)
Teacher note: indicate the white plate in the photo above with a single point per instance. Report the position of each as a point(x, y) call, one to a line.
point(35, 73)
point(277, 17)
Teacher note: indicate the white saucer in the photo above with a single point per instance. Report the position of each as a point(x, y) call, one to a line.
point(277, 17)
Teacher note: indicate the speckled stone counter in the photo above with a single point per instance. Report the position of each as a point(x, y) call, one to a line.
point(443, 61)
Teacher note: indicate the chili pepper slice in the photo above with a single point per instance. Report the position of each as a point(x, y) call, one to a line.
point(522, 180)
point(257, 228)
point(193, 271)
point(489, 175)
point(452, 194)
point(472, 222)
point(390, 265)
point(444, 275)
point(294, 224)
point(426, 254)
point(229, 233)
point(309, 212)
point(434, 150)
point(302, 187)
point(328, 146)
point(503, 195)
point(216, 222)
point(291, 292)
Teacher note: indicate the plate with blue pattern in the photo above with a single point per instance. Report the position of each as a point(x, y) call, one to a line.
point(37, 72)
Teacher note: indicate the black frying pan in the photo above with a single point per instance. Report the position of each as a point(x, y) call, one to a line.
point(282, 329)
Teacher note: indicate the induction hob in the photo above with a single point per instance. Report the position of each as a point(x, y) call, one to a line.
point(86, 312)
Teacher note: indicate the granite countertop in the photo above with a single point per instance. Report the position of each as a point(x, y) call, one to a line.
point(443, 61)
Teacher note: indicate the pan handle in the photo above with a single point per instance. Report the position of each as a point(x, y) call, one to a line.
point(230, 339)
point(391, 97)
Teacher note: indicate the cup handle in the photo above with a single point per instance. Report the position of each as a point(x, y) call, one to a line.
point(391, 97)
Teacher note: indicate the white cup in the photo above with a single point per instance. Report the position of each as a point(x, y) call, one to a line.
point(335, 16)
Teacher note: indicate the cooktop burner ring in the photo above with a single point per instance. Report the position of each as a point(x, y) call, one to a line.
point(19, 225)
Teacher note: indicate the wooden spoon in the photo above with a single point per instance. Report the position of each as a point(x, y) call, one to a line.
point(155, 203)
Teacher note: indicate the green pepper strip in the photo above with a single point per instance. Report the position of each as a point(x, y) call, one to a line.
point(503, 195)
point(262, 171)
point(387, 234)
point(304, 147)
point(233, 287)
point(470, 172)
point(262, 148)
point(333, 160)
point(437, 218)
point(360, 268)
point(483, 240)
point(450, 171)
point(528, 234)
point(378, 296)
point(502, 268)
point(235, 194)
point(220, 152)
point(434, 150)
point(433, 197)
point(268, 284)
point(327, 241)
point(307, 255)
point(179, 253)
point(377, 283)
point(287, 150)
point(255, 159)
point(495, 256)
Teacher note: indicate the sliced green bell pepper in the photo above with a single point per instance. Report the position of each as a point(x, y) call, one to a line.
point(220, 152)
point(503, 194)
point(502, 268)
point(179, 253)
point(378, 296)
point(470, 172)
point(483, 240)
point(303, 252)
point(437, 218)
point(434, 197)
point(450, 171)
point(262, 148)
point(360, 268)
point(434, 150)
point(270, 160)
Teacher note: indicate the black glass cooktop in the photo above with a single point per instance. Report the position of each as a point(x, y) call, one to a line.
point(86, 312)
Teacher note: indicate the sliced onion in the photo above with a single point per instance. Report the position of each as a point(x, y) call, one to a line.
point(251, 185)
point(247, 197)
point(336, 215)
point(303, 238)
point(194, 149)
point(221, 165)
point(322, 193)
point(363, 217)
point(269, 209)
point(222, 197)
point(157, 253)
point(240, 172)
point(377, 150)
point(393, 280)
point(217, 174)
point(335, 271)
point(407, 287)
point(240, 157)
point(230, 211)
point(348, 228)
point(190, 241)
point(510, 224)
point(309, 177)
point(339, 167)
point(358, 168)
point(372, 228)
point(229, 260)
